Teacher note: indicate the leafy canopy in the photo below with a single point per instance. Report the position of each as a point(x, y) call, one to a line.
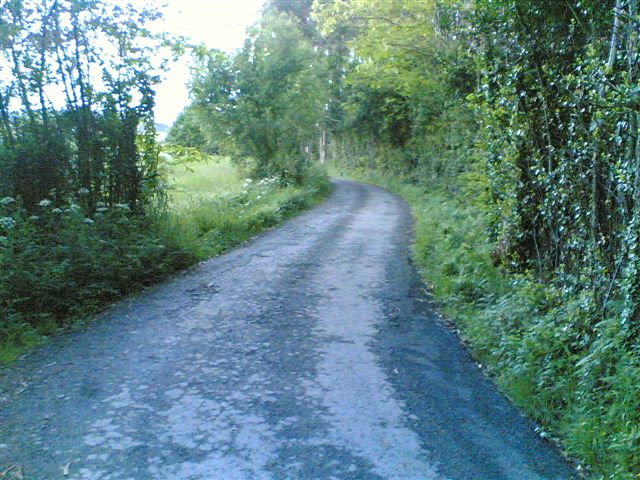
point(266, 102)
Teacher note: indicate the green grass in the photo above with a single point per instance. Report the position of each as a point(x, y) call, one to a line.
point(216, 177)
point(214, 208)
point(59, 269)
point(545, 349)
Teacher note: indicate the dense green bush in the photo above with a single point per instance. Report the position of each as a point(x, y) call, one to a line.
point(263, 105)
point(99, 136)
point(557, 88)
point(59, 262)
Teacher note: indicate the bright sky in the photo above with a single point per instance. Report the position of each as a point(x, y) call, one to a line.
point(216, 23)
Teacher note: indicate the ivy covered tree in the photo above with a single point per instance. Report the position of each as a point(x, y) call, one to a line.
point(558, 90)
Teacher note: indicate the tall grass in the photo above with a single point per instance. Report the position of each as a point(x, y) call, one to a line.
point(215, 177)
point(214, 208)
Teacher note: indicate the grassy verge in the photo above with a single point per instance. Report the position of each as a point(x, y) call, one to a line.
point(60, 267)
point(544, 348)
point(213, 208)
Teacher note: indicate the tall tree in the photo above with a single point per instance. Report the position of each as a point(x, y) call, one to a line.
point(268, 100)
point(77, 100)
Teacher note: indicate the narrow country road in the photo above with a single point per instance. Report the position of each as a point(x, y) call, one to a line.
point(309, 353)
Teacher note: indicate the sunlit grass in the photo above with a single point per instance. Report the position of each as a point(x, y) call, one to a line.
point(216, 177)
point(213, 207)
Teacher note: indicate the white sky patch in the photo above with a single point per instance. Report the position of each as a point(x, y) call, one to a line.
point(218, 24)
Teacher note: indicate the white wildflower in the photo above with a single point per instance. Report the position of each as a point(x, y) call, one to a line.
point(123, 206)
point(7, 223)
point(101, 205)
point(73, 207)
point(102, 209)
point(56, 210)
point(45, 203)
point(34, 218)
point(88, 221)
point(7, 200)
point(83, 191)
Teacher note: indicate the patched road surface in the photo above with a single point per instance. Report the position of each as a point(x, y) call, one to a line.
point(309, 353)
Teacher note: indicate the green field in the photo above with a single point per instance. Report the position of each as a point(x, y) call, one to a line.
point(216, 177)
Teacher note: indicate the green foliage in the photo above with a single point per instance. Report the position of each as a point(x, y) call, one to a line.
point(85, 217)
point(97, 134)
point(563, 139)
point(177, 154)
point(512, 128)
point(206, 223)
point(188, 131)
point(265, 102)
point(561, 132)
point(80, 182)
point(579, 383)
point(59, 265)
point(403, 105)
point(510, 125)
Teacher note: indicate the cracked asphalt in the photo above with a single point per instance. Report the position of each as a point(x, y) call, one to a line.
point(308, 353)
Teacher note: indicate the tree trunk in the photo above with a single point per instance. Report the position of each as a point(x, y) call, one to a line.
point(323, 146)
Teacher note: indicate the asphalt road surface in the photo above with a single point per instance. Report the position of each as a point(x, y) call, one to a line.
point(309, 353)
